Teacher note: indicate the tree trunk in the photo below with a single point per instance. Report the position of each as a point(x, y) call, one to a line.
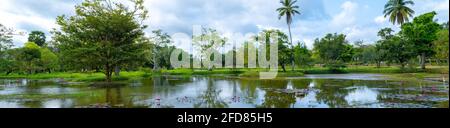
point(284, 68)
point(108, 73)
point(292, 48)
point(423, 61)
point(378, 64)
point(155, 63)
point(8, 72)
point(116, 70)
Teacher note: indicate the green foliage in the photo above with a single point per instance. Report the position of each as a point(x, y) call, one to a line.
point(365, 54)
point(103, 34)
point(302, 56)
point(37, 37)
point(289, 9)
point(333, 49)
point(209, 40)
point(5, 38)
point(421, 33)
point(48, 59)
point(284, 53)
point(394, 48)
point(161, 49)
point(398, 11)
point(441, 44)
point(29, 57)
point(6, 61)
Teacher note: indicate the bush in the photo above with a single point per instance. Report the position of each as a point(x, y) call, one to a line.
point(336, 67)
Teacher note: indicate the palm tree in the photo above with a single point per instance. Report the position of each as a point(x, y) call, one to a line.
point(398, 11)
point(288, 9)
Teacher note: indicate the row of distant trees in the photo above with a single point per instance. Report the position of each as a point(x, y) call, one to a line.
point(423, 38)
point(34, 57)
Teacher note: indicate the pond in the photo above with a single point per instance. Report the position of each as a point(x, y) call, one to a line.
point(310, 91)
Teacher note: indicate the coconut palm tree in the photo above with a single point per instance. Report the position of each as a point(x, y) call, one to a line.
point(288, 9)
point(398, 11)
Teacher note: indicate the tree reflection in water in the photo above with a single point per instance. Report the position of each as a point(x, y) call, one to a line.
point(274, 99)
point(210, 98)
point(248, 89)
point(333, 92)
point(114, 96)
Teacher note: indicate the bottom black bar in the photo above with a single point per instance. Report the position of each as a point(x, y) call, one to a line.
point(232, 118)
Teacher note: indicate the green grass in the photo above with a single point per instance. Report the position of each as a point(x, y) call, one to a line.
point(85, 77)
point(124, 76)
point(203, 72)
point(280, 74)
point(373, 69)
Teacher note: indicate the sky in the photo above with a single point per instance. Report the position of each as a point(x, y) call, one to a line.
point(358, 19)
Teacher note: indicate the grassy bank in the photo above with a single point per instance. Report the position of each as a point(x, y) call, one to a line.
point(89, 77)
point(383, 70)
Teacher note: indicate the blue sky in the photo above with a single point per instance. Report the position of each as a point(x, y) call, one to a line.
point(358, 19)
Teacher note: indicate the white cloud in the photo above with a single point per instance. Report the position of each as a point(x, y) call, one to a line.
point(440, 6)
point(22, 19)
point(359, 19)
point(380, 20)
point(347, 15)
point(359, 33)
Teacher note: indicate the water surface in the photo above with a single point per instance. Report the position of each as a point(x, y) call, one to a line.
point(311, 91)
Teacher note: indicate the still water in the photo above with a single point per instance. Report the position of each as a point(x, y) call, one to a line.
point(310, 91)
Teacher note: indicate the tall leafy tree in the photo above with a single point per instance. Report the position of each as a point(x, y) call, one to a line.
point(289, 9)
point(210, 39)
point(48, 60)
point(37, 37)
point(382, 53)
point(284, 53)
point(160, 40)
point(302, 55)
point(103, 33)
point(29, 56)
point(398, 11)
point(394, 48)
point(441, 44)
point(5, 38)
point(421, 33)
point(368, 54)
point(9, 62)
point(358, 50)
point(333, 48)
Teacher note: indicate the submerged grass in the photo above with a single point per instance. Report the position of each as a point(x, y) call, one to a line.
point(443, 104)
point(419, 76)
